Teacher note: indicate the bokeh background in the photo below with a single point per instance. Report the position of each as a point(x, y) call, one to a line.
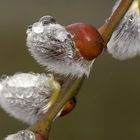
point(108, 105)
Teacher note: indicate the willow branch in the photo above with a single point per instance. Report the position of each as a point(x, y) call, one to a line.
point(71, 87)
point(107, 29)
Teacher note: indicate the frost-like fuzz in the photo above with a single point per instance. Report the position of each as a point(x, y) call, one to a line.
point(52, 46)
point(125, 40)
point(27, 96)
point(21, 135)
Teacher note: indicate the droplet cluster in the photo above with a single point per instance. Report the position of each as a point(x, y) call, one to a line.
point(26, 96)
point(22, 135)
point(53, 47)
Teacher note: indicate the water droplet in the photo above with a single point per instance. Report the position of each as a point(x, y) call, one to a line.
point(130, 20)
point(37, 28)
point(43, 50)
point(125, 27)
point(61, 35)
point(70, 52)
point(106, 21)
point(28, 94)
point(20, 95)
point(70, 55)
point(27, 135)
point(47, 19)
point(138, 27)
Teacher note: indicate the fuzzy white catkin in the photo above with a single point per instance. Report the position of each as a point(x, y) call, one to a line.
point(21, 135)
point(11, 137)
point(52, 46)
point(125, 40)
point(26, 96)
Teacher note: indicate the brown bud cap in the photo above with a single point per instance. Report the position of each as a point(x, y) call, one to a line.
point(87, 40)
point(68, 107)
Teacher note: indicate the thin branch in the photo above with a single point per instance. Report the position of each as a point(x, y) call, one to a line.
point(70, 89)
point(107, 29)
point(139, 5)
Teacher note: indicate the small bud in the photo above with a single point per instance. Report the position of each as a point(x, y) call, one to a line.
point(68, 107)
point(52, 45)
point(27, 96)
point(88, 41)
point(125, 40)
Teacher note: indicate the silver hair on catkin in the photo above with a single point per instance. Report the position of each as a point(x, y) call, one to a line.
point(21, 135)
point(27, 96)
point(52, 46)
point(125, 40)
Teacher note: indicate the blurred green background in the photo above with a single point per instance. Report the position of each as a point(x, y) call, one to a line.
point(108, 105)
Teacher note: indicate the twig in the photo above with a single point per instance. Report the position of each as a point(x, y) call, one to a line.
point(69, 89)
point(107, 29)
